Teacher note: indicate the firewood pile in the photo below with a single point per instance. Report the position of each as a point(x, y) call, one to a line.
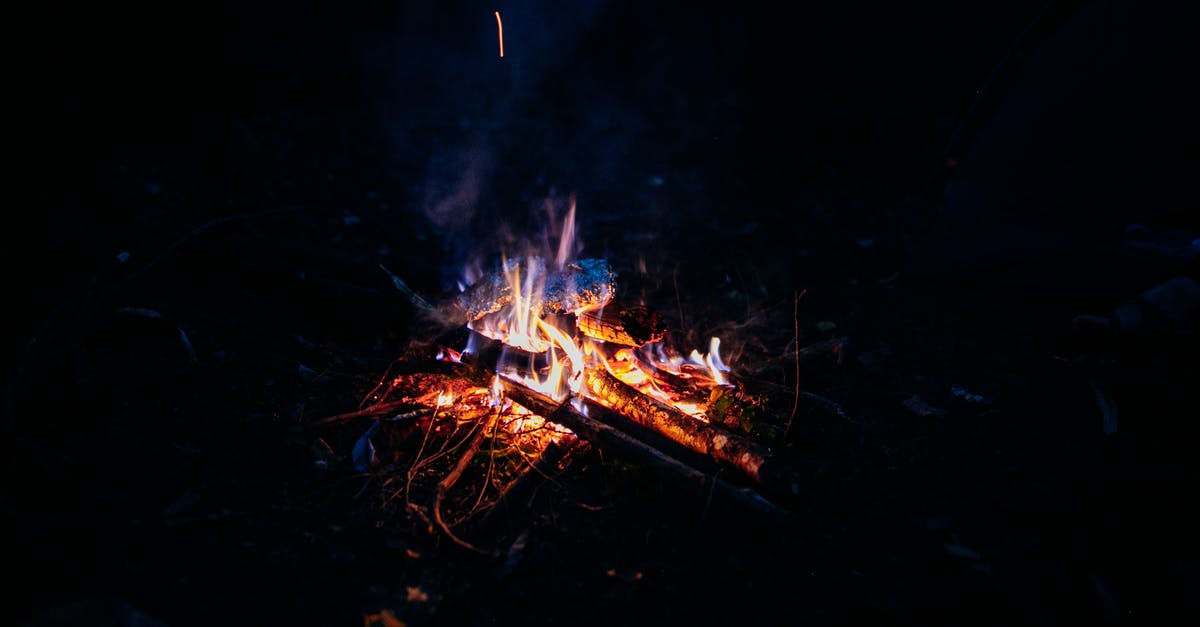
point(535, 363)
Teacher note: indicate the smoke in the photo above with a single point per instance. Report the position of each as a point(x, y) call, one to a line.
point(467, 114)
point(587, 100)
point(453, 188)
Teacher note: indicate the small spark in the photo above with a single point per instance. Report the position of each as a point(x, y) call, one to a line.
point(500, 31)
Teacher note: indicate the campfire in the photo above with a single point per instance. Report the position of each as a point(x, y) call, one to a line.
point(537, 359)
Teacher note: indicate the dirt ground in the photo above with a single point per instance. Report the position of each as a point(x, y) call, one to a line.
point(205, 284)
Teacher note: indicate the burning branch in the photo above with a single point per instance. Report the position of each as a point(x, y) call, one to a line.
point(582, 285)
point(724, 447)
point(727, 448)
point(547, 349)
point(621, 443)
point(635, 326)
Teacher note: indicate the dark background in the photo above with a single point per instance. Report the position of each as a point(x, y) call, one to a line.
point(949, 182)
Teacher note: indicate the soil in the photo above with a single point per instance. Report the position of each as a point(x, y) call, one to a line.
point(204, 284)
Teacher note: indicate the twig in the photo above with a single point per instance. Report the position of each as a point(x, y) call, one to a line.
point(90, 297)
point(985, 95)
point(448, 482)
point(708, 501)
point(374, 410)
point(412, 469)
point(553, 459)
point(487, 476)
point(796, 341)
point(413, 297)
point(829, 406)
point(155, 315)
point(196, 232)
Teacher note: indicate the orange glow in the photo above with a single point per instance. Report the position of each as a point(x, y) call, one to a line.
point(553, 362)
point(500, 31)
point(628, 367)
point(531, 432)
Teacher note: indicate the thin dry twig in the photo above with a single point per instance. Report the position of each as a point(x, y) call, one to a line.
point(796, 341)
point(374, 410)
point(448, 482)
point(487, 476)
point(170, 249)
point(708, 500)
point(412, 470)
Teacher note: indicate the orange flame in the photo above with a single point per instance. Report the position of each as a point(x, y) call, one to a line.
point(559, 361)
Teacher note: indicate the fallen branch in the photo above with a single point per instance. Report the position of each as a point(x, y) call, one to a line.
point(814, 401)
point(829, 406)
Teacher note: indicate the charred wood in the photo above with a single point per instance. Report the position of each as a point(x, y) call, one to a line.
point(634, 326)
point(729, 449)
point(620, 443)
point(580, 285)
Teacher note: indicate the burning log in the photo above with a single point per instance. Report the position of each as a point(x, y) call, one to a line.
point(635, 326)
point(719, 444)
point(581, 285)
point(729, 449)
point(621, 443)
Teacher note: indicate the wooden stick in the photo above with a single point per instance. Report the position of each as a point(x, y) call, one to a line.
point(621, 443)
point(374, 410)
point(450, 479)
point(724, 447)
point(729, 449)
point(634, 326)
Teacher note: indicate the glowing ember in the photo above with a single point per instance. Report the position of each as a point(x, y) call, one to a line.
point(531, 432)
point(500, 31)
